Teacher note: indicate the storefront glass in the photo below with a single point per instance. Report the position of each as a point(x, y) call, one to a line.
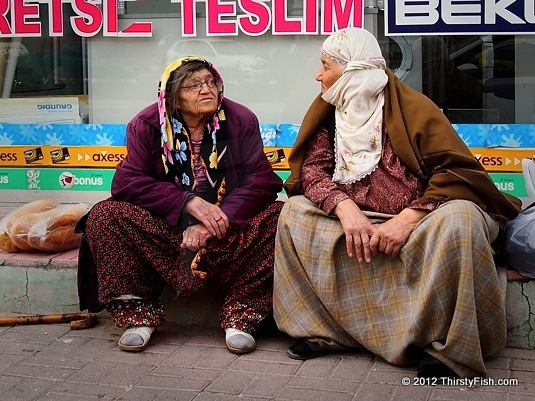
point(473, 79)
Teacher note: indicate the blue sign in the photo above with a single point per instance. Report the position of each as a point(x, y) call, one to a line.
point(459, 17)
point(281, 135)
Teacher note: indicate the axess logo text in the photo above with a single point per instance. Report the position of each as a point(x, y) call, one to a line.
point(490, 160)
point(108, 157)
point(8, 157)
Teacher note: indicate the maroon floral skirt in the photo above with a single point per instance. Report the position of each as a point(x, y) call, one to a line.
point(137, 254)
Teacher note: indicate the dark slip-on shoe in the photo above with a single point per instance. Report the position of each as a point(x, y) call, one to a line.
point(431, 367)
point(304, 350)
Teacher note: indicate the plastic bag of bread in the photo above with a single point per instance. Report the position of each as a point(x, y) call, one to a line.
point(6, 243)
point(51, 230)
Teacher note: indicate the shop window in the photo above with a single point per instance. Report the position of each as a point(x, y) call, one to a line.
point(474, 79)
point(491, 79)
point(44, 66)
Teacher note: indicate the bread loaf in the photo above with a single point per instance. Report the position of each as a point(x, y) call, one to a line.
point(6, 244)
point(53, 230)
point(6, 241)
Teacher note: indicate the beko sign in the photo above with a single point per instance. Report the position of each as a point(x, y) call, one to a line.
point(460, 17)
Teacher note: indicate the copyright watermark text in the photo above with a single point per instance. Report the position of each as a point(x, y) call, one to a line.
point(451, 381)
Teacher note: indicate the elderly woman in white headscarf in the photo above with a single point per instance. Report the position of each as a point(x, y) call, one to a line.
point(387, 241)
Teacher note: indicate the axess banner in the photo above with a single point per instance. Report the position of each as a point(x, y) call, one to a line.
point(57, 156)
point(95, 156)
point(492, 159)
point(459, 17)
point(502, 159)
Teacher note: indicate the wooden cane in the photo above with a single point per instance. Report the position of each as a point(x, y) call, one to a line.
point(77, 321)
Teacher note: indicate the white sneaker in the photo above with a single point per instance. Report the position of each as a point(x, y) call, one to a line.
point(239, 342)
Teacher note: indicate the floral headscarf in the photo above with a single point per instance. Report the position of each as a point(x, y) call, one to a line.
point(359, 99)
point(176, 145)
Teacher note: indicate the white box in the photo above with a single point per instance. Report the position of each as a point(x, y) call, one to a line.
point(58, 106)
point(53, 119)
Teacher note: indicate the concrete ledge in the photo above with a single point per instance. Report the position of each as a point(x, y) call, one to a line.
point(40, 283)
point(520, 308)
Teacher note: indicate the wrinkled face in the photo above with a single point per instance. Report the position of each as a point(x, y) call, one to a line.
point(199, 102)
point(329, 72)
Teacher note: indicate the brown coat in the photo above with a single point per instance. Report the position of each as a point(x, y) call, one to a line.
point(426, 142)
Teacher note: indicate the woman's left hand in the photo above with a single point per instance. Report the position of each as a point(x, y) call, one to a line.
point(195, 237)
point(394, 233)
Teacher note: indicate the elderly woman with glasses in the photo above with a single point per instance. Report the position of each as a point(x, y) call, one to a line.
point(193, 204)
point(387, 240)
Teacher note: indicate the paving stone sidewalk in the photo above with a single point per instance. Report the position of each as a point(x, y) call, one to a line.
point(53, 362)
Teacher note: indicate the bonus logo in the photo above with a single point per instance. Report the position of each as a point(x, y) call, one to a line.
point(66, 180)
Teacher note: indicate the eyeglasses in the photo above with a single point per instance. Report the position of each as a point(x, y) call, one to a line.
point(197, 86)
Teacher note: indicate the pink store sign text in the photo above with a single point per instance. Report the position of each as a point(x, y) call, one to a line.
point(22, 18)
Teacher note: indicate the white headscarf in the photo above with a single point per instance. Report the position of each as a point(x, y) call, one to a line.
point(358, 96)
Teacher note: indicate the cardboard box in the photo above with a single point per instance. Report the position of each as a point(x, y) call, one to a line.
point(40, 106)
point(41, 110)
point(46, 119)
